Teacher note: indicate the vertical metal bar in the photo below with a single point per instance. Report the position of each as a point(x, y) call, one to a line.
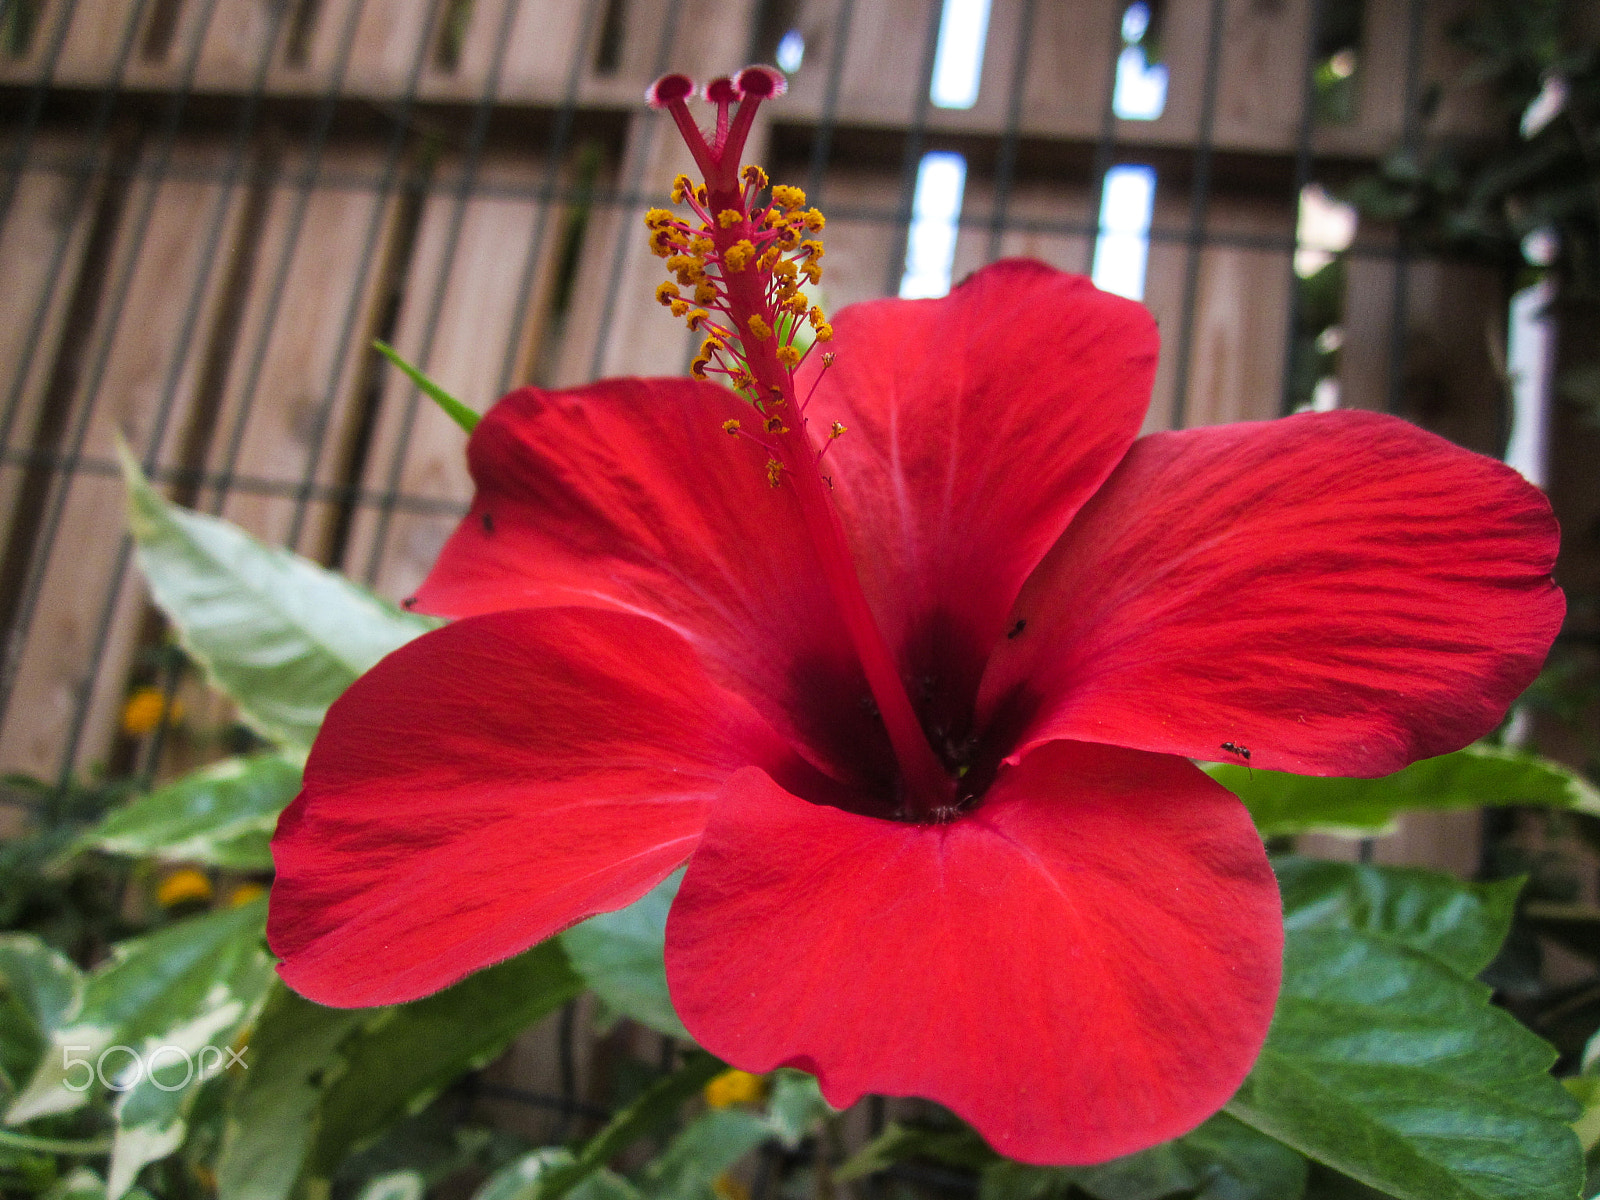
point(1199, 199)
point(1106, 144)
point(916, 136)
point(469, 172)
point(1007, 163)
point(1411, 140)
point(547, 193)
point(321, 124)
point(1302, 178)
point(352, 312)
point(827, 120)
point(632, 184)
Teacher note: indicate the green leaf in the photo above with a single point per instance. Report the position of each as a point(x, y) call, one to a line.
point(401, 1061)
point(40, 989)
point(453, 408)
point(270, 1121)
point(1221, 1160)
point(280, 635)
point(396, 1185)
point(1479, 775)
point(954, 1147)
point(795, 1106)
point(1460, 924)
point(223, 815)
point(708, 1146)
point(656, 1106)
point(1385, 1060)
point(619, 955)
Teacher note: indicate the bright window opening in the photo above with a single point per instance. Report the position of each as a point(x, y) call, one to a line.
point(935, 217)
point(1323, 230)
point(1141, 90)
point(791, 51)
point(1529, 345)
point(1122, 249)
point(958, 65)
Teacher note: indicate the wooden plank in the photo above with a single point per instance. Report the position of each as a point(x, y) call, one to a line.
point(61, 666)
point(1261, 90)
point(94, 38)
point(482, 284)
point(297, 421)
point(42, 245)
point(1071, 59)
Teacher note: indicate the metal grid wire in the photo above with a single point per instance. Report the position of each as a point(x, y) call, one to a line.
point(575, 168)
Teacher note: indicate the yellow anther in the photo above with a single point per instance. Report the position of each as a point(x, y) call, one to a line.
point(788, 237)
point(836, 430)
point(730, 427)
point(662, 244)
point(795, 302)
point(784, 269)
point(774, 217)
point(666, 292)
point(759, 327)
point(788, 356)
point(685, 262)
point(768, 257)
point(711, 346)
point(700, 244)
point(698, 367)
point(776, 425)
point(827, 360)
point(737, 256)
point(774, 472)
point(812, 271)
point(824, 332)
point(657, 218)
point(705, 292)
point(743, 379)
point(729, 217)
point(682, 187)
point(679, 307)
point(788, 197)
point(700, 194)
point(811, 248)
point(815, 220)
point(698, 316)
point(691, 276)
point(818, 317)
point(754, 176)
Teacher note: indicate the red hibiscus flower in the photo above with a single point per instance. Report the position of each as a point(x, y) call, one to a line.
point(916, 703)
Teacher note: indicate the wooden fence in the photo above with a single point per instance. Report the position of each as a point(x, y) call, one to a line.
point(209, 208)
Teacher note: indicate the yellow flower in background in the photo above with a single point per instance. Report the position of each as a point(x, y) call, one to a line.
point(726, 1187)
point(244, 893)
point(735, 1087)
point(146, 708)
point(182, 886)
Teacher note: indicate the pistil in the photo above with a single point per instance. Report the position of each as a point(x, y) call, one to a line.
point(743, 263)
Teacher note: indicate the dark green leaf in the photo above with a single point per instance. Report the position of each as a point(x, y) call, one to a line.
point(280, 635)
point(708, 1146)
point(271, 1117)
point(1386, 1062)
point(1479, 775)
point(795, 1106)
point(1460, 924)
point(223, 815)
point(453, 408)
point(619, 955)
point(658, 1104)
point(402, 1060)
point(898, 1143)
point(1221, 1160)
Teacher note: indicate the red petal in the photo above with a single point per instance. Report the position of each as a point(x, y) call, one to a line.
point(977, 425)
point(1339, 593)
point(1083, 967)
point(629, 495)
point(489, 784)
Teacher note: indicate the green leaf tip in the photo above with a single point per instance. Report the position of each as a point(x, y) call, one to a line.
point(453, 408)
